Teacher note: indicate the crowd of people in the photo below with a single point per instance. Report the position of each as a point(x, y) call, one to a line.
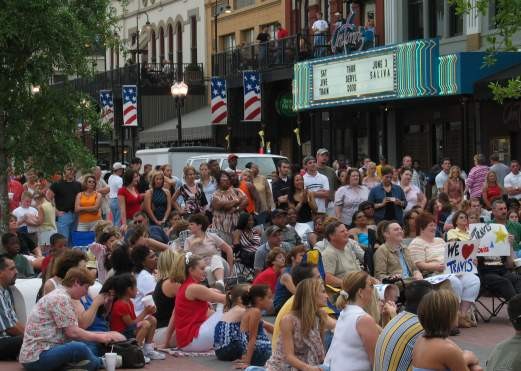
point(342, 256)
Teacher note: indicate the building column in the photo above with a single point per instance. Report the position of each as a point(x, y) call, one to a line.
point(446, 19)
point(426, 23)
point(390, 22)
point(473, 20)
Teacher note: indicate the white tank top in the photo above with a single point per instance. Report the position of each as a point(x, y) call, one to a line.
point(347, 347)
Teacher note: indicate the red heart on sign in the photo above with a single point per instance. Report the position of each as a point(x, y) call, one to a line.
point(466, 250)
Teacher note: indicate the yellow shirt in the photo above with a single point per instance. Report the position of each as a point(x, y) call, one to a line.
point(286, 309)
point(458, 234)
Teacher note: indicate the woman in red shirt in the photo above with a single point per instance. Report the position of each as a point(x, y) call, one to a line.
point(275, 261)
point(129, 197)
point(491, 190)
point(194, 320)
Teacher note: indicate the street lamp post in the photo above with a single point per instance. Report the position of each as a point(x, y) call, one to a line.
point(179, 91)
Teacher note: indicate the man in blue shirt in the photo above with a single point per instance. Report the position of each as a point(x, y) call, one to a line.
point(388, 198)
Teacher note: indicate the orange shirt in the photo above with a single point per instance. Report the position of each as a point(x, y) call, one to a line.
point(88, 201)
point(250, 208)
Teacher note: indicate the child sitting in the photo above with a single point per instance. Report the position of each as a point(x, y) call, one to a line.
point(228, 343)
point(124, 320)
point(257, 345)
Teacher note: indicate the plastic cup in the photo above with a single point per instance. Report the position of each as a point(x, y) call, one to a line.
point(10, 195)
point(148, 301)
point(110, 361)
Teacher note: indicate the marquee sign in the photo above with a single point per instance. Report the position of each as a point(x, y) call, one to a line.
point(399, 71)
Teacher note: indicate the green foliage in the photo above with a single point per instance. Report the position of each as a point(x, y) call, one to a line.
point(508, 23)
point(37, 39)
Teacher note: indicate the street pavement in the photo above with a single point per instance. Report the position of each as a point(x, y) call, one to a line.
point(481, 340)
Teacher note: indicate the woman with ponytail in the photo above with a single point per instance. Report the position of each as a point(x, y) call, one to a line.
point(356, 331)
point(194, 320)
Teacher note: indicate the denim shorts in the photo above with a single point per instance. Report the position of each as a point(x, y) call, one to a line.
point(230, 352)
point(130, 331)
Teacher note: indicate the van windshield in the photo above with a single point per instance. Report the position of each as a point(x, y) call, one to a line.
point(267, 165)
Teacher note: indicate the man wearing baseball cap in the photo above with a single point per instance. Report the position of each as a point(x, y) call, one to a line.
point(329, 172)
point(274, 239)
point(115, 183)
point(232, 163)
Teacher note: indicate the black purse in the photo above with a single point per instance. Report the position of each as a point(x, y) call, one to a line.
point(130, 352)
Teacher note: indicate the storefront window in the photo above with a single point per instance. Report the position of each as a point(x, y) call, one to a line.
point(501, 145)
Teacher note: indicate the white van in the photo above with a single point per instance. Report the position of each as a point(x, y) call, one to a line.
point(176, 157)
point(267, 163)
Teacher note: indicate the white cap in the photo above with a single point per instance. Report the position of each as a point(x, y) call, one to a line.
point(117, 166)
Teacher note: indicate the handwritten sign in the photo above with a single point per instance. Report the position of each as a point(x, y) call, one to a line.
point(493, 239)
point(459, 257)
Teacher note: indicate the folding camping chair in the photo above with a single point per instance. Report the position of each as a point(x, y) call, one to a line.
point(82, 240)
point(489, 310)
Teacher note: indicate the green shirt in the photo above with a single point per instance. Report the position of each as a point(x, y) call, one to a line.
point(514, 228)
point(23, 266)
point(506, 355)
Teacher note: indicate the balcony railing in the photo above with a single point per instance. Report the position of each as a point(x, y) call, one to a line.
point(283, 52)
point(154, 76)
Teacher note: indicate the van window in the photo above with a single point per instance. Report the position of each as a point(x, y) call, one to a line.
point(197, 162)
point(267, 165)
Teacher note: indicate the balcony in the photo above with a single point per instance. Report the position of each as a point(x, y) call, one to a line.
point(281, 53)
point(154, 79)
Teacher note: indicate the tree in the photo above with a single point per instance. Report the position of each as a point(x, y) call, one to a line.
point(38, 127)
point(508, 22)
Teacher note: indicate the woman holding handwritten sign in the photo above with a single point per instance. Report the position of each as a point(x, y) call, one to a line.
point(427, 252)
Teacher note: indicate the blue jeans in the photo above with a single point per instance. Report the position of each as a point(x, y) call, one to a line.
point(58, 357)
point(65, 225)
point(116, 213)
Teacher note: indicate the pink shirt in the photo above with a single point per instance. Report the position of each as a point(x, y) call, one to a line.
point(476, 180)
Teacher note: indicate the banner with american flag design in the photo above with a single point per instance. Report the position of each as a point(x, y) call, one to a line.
point(107, 107)
point(129, 105)
point(252, 96)
point(219, 101)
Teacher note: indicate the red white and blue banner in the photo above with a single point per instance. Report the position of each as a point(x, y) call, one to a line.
point(219, 105)
point(107, 107)
point(129, 94)
point(252, 96)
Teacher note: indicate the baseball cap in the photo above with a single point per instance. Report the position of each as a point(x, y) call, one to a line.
point(278, 212)
point(117, 166)
point(272, 229)
point(322, 151)
point(232, 155)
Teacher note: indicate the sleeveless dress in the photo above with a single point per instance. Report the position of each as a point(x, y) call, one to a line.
point(159, 203)
point(164, 304)
point(308, 349)
point(262, 350)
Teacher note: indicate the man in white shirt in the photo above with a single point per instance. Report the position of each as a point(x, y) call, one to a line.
point(115, 183)
point(320, 28)
point(316, 183)
point(443, 175)
point(500, 169)
point(513, 181)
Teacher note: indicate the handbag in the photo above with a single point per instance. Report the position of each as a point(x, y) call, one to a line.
point(130, 352)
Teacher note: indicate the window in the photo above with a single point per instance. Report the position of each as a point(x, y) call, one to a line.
point(170, 44)
point(271, 29)
point(456, 22)
point(415, 18)
point(243, 3)
point(228, 41)
point(153, 41)
point(247, 36)
point(161, 44)
point(436, 18)
point(179, 41)
point(193, 39)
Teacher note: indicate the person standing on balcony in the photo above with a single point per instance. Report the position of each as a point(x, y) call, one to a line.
point(280, 35)
point(263, 38)
point(320, 27)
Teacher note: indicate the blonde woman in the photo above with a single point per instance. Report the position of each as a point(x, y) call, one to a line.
point(454, 186)
point(356, 331)
point(491, 190)
point(164, 294)
point(157, 202)
point(88, 204)
point(300, 346)
point(372, 179)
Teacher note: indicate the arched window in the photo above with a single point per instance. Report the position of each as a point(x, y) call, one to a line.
point(179, 40)
point(153, 41)
point(193, 36)
point(161, 44)
point(170, 44)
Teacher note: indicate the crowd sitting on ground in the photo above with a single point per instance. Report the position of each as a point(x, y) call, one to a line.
point(343, 257)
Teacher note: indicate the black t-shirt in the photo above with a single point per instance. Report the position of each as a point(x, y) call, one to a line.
point(280, 188)
point(389, 208)
point(143, 185)
point(65, 195)
point(263, 37)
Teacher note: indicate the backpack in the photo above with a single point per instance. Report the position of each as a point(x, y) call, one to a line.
point(130, 351)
